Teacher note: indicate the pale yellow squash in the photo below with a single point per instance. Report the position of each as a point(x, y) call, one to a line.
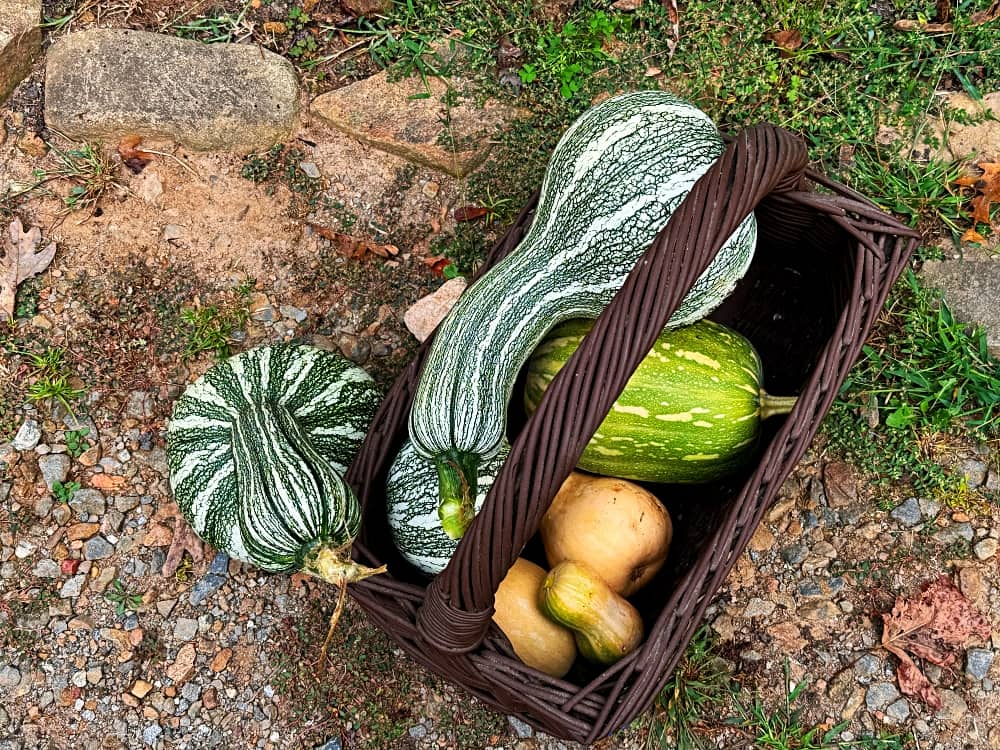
point(537, 640)
point(616, 527)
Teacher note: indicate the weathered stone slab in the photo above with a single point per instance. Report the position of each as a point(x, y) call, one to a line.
point(971, 287)
point(20, 41)
point(401, 118)
point(108, 83)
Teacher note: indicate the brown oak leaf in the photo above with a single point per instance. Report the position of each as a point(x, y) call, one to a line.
point(987, 185)
point(20, 259)
point(930, 626)
point(786, 39)
point(132, 156)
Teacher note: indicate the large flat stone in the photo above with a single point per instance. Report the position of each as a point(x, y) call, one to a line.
point(971, 287)
point(20, 41)
point(402, 118)
point(108, 83)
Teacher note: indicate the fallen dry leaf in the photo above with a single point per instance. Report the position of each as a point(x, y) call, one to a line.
point(132, 156)
point(930, 626)
point(437, 264)
point(971, 235)
point(185, 540)
point(354, 247)
point(20, 259)
point(987, 185)
point(469, 213)
point(786, 39)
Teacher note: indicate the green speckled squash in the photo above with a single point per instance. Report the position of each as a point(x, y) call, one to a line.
point(257, 448)
point(691, 411)
point(613, 181)
point(412, 504)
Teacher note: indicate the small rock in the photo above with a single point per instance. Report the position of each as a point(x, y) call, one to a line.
point(425, 314)
point(210, 698)
point(978, 662)
point(73, 587)
point(953, 707)
point(309, 169)
point(28, 435)
point(10, 676)
point(929, 508)
point(293, 313)
point(332, 744)
point(824, 610)
point(80, 531)
point(97, 548)
point(430, 189)
point(957, 532)
point(762, 540)
point(810, 589)
point(986, 549)
point(880, 695)
point(898, 711)
point(205, 588)
point(757, 607)
point(24, 549)
point(54, 468)
point(46, 568)
point(974, 472)
point(43, 506)
point(840, 484)
point(151, 734)
point(866, 667)
point(219, 565)
point(221, 660)
point(79, 679)
point(185, 629)
point(140, 689)
point(907, 512)
point(794, 554)
point(89, 501)
point(100, 584)
point(522, 730)
point(182, 667)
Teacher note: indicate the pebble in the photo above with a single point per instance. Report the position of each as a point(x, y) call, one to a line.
point(898, 712)
point(880, 695)
point(185, 629)
point(205, 588)
point(521, 729)
point(986, 549)
point(907, 512)
point(73, 587)
point(334, 742)
point(978, 662)
point(794, 554)
point(974, 472)
point(294, 313)
point(310, 169)
point(810, 589)
point(957, 532)
point(28, 435)
point(24, 549)
point(151, 734)
point(953, 707)
point(173, 232)
point(89, 501)
point(54, 468)
point(43, 506)
point(46, 568)
point(10, 676)
point(929, 508)
point(757, 607)
point(866, 667)
point(97, 548)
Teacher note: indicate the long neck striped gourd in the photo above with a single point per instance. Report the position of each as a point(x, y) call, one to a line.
point(257, 448)
point(612, 182)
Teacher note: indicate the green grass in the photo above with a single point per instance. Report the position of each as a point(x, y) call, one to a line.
point(924, 383)
point(210, 329)
point(51, 377)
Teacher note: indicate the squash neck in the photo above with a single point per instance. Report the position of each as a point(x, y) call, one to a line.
point(457, 484)
point(771, 406)
point(334, 565)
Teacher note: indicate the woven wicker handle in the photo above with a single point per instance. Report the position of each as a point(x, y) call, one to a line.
point(458, 605)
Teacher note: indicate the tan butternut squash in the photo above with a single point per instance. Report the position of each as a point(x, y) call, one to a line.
point(605, 625)
point(614, 526)
point(537, 640)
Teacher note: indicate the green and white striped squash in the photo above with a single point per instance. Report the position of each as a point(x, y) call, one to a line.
point(412, 506)
point(690, 413)
point(257, 448)
point(613, 180)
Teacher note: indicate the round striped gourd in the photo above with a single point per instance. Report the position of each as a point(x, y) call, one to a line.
point(691, 411)
point(412, 504)
point(257, 448)
point(613, 181)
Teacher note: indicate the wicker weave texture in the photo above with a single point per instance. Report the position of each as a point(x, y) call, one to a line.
point(823, 266)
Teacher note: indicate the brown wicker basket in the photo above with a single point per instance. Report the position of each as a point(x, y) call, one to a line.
point(823, 266)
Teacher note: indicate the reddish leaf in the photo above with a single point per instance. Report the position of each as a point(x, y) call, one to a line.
point(971, 235)
point(354, 247)
point(133, 157)
point(469, 213)
point(930, 626)
point(786, 39)
point(437, 264)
